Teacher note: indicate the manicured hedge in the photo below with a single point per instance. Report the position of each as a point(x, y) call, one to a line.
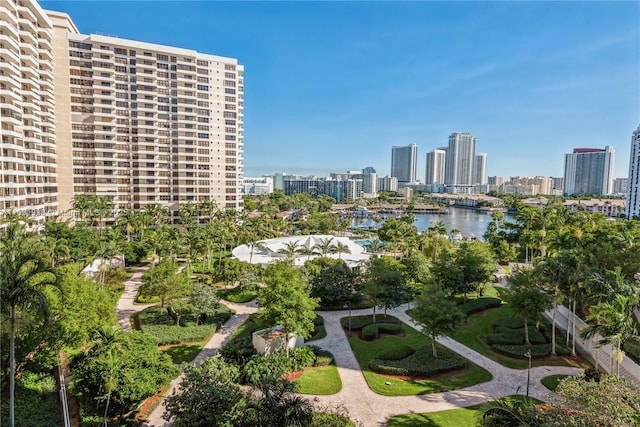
point(171, 334)
point(323, 357)
point(371, 332)
point(480, 304)
point(542, 350)
point(237, 295)
point(359, 322)
point(511, 323)
point(515, 336)
point(398, 352)
point(421, 363)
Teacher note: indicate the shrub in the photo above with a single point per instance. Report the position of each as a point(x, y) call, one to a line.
point(370, 332)
point(301, 357)
point(237, 295)
point(323, 357)
point(319, 320)
point(325, 419)
point(515, 336)
point(398, 352)
point(359, 322)
point(421, 363)
point(542, 350)
point(261, 368)
point(510, 322)
point(479, 304)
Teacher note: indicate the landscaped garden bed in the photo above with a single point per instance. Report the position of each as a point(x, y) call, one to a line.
point(409, 366)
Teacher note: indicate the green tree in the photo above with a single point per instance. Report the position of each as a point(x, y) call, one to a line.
point(477, 264)
point(436, 314)
point(204, 301)
point(527, 299)
point(24, 275)
point(164, 282)
point(209, 396)
point(383, 283)
point(286, 300)
point(611, 400)
point(138, 372)
point(334, 285)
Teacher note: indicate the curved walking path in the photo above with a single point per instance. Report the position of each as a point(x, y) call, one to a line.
point(372, 409)
point(364, 406)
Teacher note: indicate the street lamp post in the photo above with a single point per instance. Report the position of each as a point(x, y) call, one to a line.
point(528, 355)
point(348, 305)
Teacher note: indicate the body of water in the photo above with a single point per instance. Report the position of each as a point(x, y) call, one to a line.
point(468, 221)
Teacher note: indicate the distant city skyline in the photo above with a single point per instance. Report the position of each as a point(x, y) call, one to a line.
point(332, 86)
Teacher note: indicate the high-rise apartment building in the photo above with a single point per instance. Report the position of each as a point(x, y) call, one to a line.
point(404, 162)
point(589, 171)
point(387, 183)
point(461, 158)
point(620, 186)
point(137, 122)
point(633, 183)
point(434, 172)
point(28, 181)
point(480, 169)
point(148, 123)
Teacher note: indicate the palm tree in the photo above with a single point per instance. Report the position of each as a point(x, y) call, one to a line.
point(324, 246)
point(290, 249)
point(103, 206)
point(342, 248)
point(23, 275)
point(106, 343)
point(57, 249)
point(82, 203)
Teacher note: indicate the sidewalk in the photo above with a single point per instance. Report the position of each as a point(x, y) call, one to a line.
point(372, 409)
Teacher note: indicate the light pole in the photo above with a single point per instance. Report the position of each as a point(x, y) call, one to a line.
point(528, 354)
point(348, 305)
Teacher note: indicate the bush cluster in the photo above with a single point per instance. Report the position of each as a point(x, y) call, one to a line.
point(371, 332)
point(359, 322)
point(237, 295)
point(541, 350)
point(515, 336)
point(323, 357)
point(421, 363)
point(510, 322)
point(480, 304)
point(397, 352)
point(172, 334)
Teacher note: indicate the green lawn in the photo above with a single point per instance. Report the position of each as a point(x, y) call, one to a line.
point(319, 381)
point(462, 417)
point(184, 353)
point(365, 351)
point(551, 382)
point(479, 325)
point(237, 295)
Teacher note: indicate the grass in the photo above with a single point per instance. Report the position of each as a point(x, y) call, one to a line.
point(237, 295)
point(183, 353)
point(462, 417)
point(479, 325)
point(365, 351)
point(319, 381)
point(551, 382)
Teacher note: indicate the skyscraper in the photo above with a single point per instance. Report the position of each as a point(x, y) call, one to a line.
point(435, 166)
point(142, 123)
point(28, 149)
point(633, 183)
point(461, 158)
point(589, 171)
point(480, 169)
point(404, 162)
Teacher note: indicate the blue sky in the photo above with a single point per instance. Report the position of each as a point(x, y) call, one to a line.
point(332, 86)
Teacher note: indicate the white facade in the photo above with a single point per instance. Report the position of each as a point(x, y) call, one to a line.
point(435, 167)
point(404, 162)
point(480, 168)
point(387, 183)
point(633, 183)
point(28, 182)
point(589, 171)
point(255, 186)
point(461, 157)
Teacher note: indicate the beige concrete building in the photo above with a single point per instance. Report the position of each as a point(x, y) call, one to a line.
point(27, 121)
point(137, 122)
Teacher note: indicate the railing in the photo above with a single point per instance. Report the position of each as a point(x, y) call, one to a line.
point(63, 398)
point(604, 355)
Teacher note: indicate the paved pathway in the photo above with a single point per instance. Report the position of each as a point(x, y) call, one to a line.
point(216, 342)
point(126, 306)
point(365, 406)
point(372, 409)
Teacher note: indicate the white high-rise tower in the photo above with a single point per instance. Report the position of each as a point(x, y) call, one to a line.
point(404, 162)
point(461, 158)
point(633, 183)
point(435, 166)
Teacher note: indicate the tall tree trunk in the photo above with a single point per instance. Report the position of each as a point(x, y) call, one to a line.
point(526, 331)
point(573, 329)
point(553, 327)
point(12, 368)
point(568, 322)
point(434, 350)
point(106, 408)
